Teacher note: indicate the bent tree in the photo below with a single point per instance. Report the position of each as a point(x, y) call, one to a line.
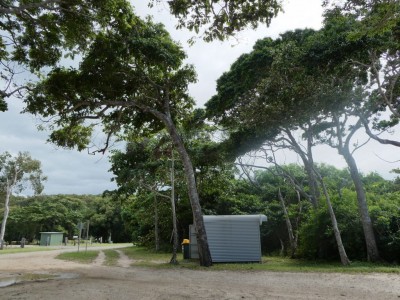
point(340, 137)
point(132, 79)
point(280, 87)
point(15, 173)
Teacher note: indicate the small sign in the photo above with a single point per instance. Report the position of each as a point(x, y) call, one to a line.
point(80, 226)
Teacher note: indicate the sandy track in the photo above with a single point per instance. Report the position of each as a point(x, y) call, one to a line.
point(99, 282)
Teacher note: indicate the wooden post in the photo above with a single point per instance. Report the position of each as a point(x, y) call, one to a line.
point(87, 234)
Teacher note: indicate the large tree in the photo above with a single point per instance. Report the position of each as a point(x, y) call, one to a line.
point(143, 168)
point(15, 173)
point(378, 34)
point(132, 79)
point(283, 84)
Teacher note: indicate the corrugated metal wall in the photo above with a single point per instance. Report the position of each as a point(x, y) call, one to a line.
point(234, 238)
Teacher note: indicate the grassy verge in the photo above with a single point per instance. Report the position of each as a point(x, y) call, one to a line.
point(81, 257)
point(112, 257)
point(147, 258)
point(27, 249)
point(30, 248)
point(282, 264)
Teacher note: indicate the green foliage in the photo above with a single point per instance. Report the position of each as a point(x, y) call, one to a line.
point(316, 234)
point(29, 216)
point(131, 78)
point(143, 175)
point(69, 137)
point(223, 18)
point(38, 34)
point(376, 30)
point(377, 17)
point(274, 232)
point(294, 75)
point(106, 221)
point(16, 172)
point(138, 216)
point(385, 215)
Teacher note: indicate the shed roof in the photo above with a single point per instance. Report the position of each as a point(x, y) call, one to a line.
point(260, 218)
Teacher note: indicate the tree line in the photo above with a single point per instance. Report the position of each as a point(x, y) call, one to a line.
point(144, 218)
point(62, 213)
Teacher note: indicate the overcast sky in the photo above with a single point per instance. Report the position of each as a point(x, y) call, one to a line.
point(72, 172)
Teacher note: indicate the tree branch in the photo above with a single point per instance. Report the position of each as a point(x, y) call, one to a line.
point(8, 9)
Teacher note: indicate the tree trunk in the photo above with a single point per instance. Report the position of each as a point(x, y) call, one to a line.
point(309, 165)
point(175, 229)
point(156, 229)
point(292, 240)
point(308, 162)
point(342, 251)
point(5, 216)
point(282, 251)
point(314, 189)
point(204, 251)
point(372, 249)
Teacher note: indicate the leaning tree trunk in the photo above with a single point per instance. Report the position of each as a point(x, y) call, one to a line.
point(5, 216)
point(342, 251)
point(308, 162)
point(204, 250)
point(175, 229)
point(156, 229)
point(372, 249)
point(292, 240)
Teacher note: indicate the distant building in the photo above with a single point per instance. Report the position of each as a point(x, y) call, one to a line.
point(51, 238)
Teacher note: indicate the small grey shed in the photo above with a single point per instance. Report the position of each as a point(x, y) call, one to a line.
point(51, 238)
point(234, 238)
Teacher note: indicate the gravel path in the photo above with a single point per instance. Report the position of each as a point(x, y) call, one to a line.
point(124, 261)
point(100, 282)
point(99, 261)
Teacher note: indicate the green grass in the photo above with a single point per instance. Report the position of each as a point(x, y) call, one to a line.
point(81, 257)
point(9, 250)
point(282, 264)
point(112, 257)
point(151, 259)
point(146, 256)
point(17, 249)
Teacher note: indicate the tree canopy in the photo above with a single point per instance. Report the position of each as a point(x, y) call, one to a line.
point(223, 18)
point(37, 34)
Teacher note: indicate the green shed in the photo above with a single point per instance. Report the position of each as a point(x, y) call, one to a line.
point(51, 238)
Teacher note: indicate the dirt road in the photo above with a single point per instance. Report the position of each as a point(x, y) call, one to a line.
point(95, 281)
